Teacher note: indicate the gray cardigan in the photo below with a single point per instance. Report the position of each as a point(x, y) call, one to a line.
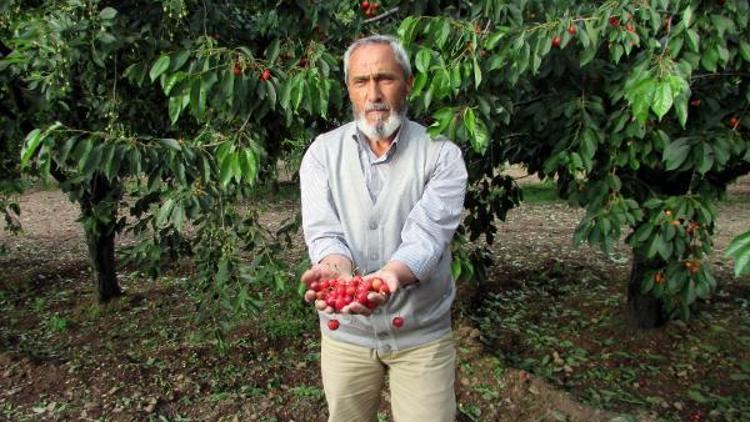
point(373, 232)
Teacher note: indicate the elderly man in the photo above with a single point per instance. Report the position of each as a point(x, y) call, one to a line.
point(380, 197)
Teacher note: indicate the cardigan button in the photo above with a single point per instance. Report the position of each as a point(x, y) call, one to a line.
point(373, 225)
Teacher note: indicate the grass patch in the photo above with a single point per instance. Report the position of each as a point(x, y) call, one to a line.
point(540, 192)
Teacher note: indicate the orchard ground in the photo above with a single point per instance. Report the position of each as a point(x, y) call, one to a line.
point(543, 339)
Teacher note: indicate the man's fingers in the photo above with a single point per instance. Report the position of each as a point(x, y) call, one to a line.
point(358, 308)
point(310, 296)
point(376, 298)
point(310, 275)
point(320, 305)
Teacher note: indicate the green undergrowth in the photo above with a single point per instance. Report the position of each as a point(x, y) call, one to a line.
point(567, 325)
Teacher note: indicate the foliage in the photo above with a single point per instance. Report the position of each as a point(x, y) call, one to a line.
point(182, 107)
point(636, 108)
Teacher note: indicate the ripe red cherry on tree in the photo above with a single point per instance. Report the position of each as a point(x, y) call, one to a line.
point(572, 29)
point(237, 69)
point(266, 75)
point(734, 121)
point(365, 5)
point(614, 21)
point(556, 41)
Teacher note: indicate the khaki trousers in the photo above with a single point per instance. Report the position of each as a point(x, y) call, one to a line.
point(420, 379)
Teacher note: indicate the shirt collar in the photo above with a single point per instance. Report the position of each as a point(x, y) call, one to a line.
point(360, 138)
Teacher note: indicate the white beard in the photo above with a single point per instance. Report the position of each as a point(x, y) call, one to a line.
point(380, 130)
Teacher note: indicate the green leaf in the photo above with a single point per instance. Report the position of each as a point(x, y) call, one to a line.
point(687, 17)
point(107, 13)
point(706, 159)
point(477, 73)
point(740, 250)
point(172, 80)
point(641, 97)
point(493, 39)
point(722, 24)
point(443, 33)
point(675, 153)
point(164, 212)
point(470, 121)
point(681, 108)
point(179, 59)
point(248, 165)
point(663, 99)
point(33, 140)
point(456, 269)
point(424, 56)
point(159, 67)
point(709, 58)
point(170, 143)
point(693, 40)
point(481, 138)
point(226, 170)
point(745, 50)
point(272, 52)
point(271, 94)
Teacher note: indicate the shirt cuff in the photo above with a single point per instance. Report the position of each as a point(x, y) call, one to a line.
point(325, 247)
point(419, 263)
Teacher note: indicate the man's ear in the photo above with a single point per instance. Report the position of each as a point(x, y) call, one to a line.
point(409, 83)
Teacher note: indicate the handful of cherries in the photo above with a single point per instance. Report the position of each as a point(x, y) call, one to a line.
point(339, 293)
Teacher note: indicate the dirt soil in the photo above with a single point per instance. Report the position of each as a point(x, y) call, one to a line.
point(63, 357)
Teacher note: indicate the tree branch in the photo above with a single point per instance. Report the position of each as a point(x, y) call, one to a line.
point(381, 16)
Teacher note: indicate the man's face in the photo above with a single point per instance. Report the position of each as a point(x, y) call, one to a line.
point(377, 89)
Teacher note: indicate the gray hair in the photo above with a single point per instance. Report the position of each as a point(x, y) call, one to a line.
point(402, 58)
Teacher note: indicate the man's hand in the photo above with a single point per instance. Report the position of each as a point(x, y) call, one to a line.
point(389, 278)
point(318, 273)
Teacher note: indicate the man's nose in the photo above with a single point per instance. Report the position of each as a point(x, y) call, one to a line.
point(373, 91)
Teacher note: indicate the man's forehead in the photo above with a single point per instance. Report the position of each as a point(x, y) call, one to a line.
point(371, 54)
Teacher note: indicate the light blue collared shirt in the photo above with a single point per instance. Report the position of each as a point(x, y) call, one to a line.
point(445, 191)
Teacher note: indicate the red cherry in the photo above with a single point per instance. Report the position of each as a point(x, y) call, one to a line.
point(734, 121)
point(556, 41)
point(333, 325)
point(362, 297)
point(398, 322)
point(315, 286)
point(696, 102)
point(340, 303)
point(614, 21)
point(572, 29)
point(629, 27)
point(365, 5)
point(266, 75)
point(237, 69)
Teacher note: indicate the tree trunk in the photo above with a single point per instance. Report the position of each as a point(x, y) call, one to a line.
point(100, 238)
point(644, 311)
point(102, 255)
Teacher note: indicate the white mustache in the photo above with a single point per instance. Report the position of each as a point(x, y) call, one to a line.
point(377, 107)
